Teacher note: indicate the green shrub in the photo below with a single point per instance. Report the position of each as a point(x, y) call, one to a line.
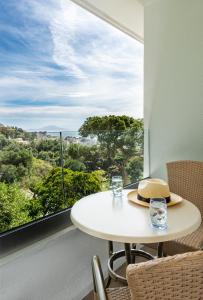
point(61, 190)
point(13, 207)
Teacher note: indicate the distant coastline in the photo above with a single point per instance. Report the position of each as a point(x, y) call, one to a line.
point(44, 131)
point(56, 133)
point(64, 133)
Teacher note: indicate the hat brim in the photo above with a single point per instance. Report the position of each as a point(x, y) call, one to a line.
point(132, 196)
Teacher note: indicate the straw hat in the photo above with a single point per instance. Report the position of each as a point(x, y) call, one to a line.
point(153, 188)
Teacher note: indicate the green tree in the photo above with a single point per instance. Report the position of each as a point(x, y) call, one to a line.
point(3, 141)
point(15, 163)
point(74, 165)
point(75, 151)
point(135, 168)
point(16, 132)
point(90, 157)
point(48, 150)
point(9, 173)
point(120, 139)
point(40, 169)
point(52, 195)
point(13, 207)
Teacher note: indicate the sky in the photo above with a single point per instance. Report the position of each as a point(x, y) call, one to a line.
point(59, 64)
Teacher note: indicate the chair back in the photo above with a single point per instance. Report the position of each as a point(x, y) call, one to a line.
point(177, 277)
point(185, 178)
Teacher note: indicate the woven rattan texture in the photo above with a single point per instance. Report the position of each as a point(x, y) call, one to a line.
point(188, 243)
point(185, 178)
point(122, 293)
point(172, 278)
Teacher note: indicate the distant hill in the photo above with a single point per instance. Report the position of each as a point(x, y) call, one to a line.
point(14, 132)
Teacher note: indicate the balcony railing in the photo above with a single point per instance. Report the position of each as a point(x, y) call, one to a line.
point(42, 173)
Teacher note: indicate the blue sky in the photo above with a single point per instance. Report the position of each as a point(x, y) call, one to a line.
point(59, 64)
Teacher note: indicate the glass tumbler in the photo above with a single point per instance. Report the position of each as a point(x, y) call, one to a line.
point(158, 213)
point(117, 186)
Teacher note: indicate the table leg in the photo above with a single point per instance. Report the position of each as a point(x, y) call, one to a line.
point(160, 252)
point(134, 246)
point(110, 249)
point(128, 253)
point(110, 243)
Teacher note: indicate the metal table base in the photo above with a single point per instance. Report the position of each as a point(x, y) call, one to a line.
point(130, 254)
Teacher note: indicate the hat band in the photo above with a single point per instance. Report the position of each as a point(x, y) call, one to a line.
point(139, 197)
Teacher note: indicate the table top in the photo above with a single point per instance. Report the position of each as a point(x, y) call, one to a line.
point(120, 220)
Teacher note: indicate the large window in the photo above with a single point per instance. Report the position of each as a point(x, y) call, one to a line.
point(71, 108)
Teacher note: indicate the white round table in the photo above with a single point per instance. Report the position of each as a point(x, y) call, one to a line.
point(122, 221)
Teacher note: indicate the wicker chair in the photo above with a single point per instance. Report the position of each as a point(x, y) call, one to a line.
point(178, 277)
point(185, 178)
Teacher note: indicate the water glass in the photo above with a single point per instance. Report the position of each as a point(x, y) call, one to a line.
point(158, 213)
point(117, 186)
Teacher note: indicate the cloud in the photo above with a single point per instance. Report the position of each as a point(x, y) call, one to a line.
point(68, 63)
point(64, 116)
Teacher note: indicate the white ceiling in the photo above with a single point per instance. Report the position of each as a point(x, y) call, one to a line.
point(126, 15)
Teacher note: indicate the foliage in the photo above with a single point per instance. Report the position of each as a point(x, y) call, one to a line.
point(40, 169)
point(74, 165)
point(15, 163)
point(90, 156)
point(60, 190)
point(13, 207)
point(16, 132)
point(96, 125)
point(47, 149)
point(120, 139)
point(76, 151)
point(3, 141)
point(135, 169)
point(32, 184)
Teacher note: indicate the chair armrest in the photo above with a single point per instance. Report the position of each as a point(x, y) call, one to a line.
point(98, 279)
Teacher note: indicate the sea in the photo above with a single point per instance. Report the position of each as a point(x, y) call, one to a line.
point(64, 133)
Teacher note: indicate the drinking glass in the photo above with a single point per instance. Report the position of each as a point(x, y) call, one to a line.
point(158, 213)
point(117, 186)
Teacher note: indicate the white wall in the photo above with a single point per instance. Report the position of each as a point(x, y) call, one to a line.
point(55, 268)
point(173, 81)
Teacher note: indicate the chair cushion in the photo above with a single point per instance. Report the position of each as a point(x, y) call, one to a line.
point(122, 293)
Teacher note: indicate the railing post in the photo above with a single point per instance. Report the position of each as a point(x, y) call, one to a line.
point(62, 166)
